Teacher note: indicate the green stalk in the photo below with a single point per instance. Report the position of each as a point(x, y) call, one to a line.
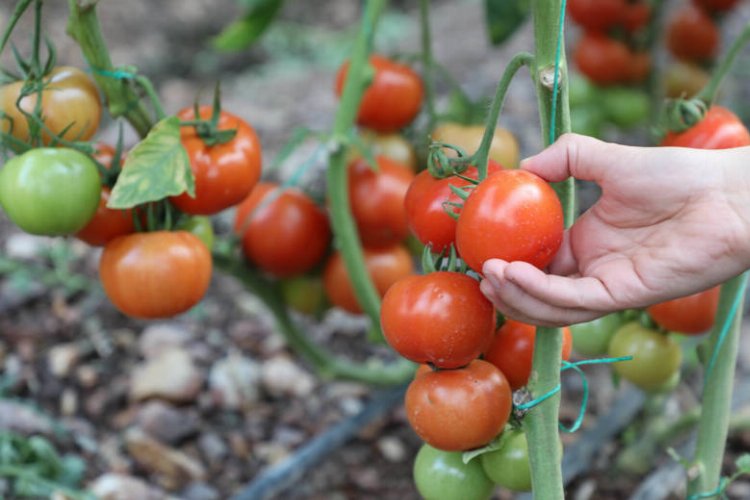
point(428, 62)
point(324, 362)
point(708, 93)
point(84, 28)
point(343, 225)
point(541, 423)
point(717, 391)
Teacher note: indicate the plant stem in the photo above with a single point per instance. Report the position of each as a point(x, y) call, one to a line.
point(717, 390)
point(541, 423)
point(428, 62)
point(708, 93)
point(344, 228)
point(84, 28)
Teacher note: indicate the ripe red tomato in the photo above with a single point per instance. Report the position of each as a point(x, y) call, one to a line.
point(691, 314)
point(597, 15)
point(461, 409)
point(425, 211)
point(384, 265)
point(224, 173)
point(377, 200)
point(512, 351)
point(512, 215)
point(692, 35)
point(287, 235)
point(605, 61)
point(636, 16)
point(393, 98)
point(440, 318)
point(155, 275)
point(713, 6)
point(639, 68)
point(719, 129)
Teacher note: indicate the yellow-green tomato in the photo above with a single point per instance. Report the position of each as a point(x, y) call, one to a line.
point(592, 338)
point(304, 294)
point(50, 191)
point(503, 149)
point(392, 145)
point(508, 466)
point(442, 475)
point(656, 357)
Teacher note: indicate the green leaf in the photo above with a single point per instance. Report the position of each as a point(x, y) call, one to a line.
point(504, 17)
point(743, 463)
point(156, 168)
point(245, 31)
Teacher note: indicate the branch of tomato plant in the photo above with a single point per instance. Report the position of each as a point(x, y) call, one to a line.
point(541, 423)
point(325, 363)
point(342, 222)
point(717, 390)
point(708, 93)
point(428, 62)
point(654, 32)
point(122, 99)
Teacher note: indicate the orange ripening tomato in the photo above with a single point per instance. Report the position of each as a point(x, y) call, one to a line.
point(691, 314)
point(603, 60)
point(597, 15)
point(455, 410)
point(287, 235)
point(155, 275)
point(719, 129)
point(224, 173)
point(393, 98)
point(384, 265)
point(512, 351)
point(692, 35)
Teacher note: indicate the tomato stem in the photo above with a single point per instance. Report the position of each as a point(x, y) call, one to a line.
point(708, 93)
point(428, 62)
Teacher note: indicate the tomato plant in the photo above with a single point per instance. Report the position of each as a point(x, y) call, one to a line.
point(460, 409)
point(597, 15)
point(442, 475)
point(512, 351)
point(155, 275)
point(426, 209)
point(508, 466)
point(605, 61)
point(283, 232)
point(719, 129)
point(440, 318)
point(692, 35)
point(70, 100)
point(656, 357)
point(691, 314)
point(384, 265)
point(592, 338)
point(50, 191)
point(225, 173)
point(393, 97)
point(377, 200)
point(503, 148)
point(512, 215)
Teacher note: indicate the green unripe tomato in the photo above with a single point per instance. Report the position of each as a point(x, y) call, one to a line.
point(50, 191)
point(509, 466)
point(442, 475)
point(592, 338)
point(581, 91)
point(656, 357)
point(304, 294)
point(625, 107)
point(201, 227)
point(587, 120)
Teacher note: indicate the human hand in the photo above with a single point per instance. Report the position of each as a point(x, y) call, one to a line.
point(670, 222)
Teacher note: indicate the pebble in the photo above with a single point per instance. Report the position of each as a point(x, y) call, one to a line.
point(62, 358)
point(171, 376)
point(113, 486)
point(213, 447)
point(23, 419)
point(161, 337)
point(25, 246)
point(392, 449)
point(165, 422)
point(271, 453)
point(87, 376)
point(282, 378)
point(174, 466)
point(199, 491)
point(234, 382)
point(68, 402)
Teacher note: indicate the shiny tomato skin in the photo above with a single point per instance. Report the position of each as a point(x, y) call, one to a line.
point(603, 60)
point(597, 15)
point(427, 217)
point(512, 351)
point(692, 35)
point(719, 129)
point(288, 235)
point(155, 275)
point(377, 200)
point(107, 223)
point(692, 314)
point(504, 147)
point(224, 173)
point(393, 98)
point(443, 475)
point(384, 265)
point(457, 410)
point(440, 318)
point(512, 215)
point(69, 97)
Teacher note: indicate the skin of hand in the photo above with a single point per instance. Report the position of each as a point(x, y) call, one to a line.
point(670, 222)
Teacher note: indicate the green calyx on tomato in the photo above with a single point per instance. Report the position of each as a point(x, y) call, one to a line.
point(199, 226)
point(442, 475)
point(50, 191)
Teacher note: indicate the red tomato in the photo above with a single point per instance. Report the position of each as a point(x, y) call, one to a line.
point(640, 66)
point(425, 212)
point(691, 314)
point(155, 275)
point(605, 61)
point(512, 351)
point(460, 409)
point(597, 15)
point(384, 265)
point(692, 35)
point(393, 98)
point(224, 173)
point(440, 318)
point(377, 200)
point(636, 16)
point(287, 235)
point(712, 6)
point(719, 129)
point(512, 215)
